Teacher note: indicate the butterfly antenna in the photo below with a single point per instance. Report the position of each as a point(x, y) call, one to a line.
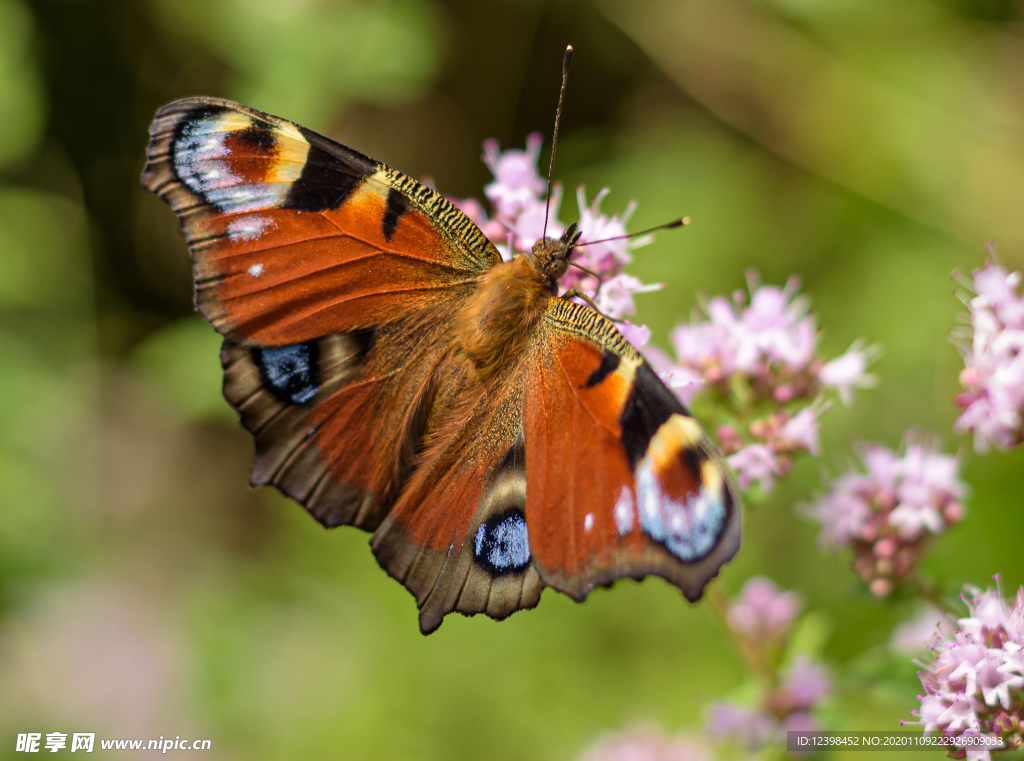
point(681, 222)
point(554, 139)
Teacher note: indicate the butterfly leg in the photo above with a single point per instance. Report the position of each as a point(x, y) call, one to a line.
point(600, 280)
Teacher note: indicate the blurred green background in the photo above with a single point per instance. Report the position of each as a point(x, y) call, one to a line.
point(870, 146)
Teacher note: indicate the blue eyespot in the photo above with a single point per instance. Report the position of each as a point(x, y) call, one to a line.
point(501, 545)
point(289, 372)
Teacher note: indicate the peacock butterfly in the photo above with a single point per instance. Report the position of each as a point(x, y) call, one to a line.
point(494, 436)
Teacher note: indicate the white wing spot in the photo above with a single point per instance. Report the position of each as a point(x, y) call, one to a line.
point(588, 522)
point(623, 511)
point(249, 227)
point(256, 270)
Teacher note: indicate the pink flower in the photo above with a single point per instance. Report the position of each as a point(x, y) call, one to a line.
point(883, 469)
point(798, 722)
point(775, 328)
point(769, 347)
point(806, 683)
point(750, 727)
point(885, 511)
point(976, 675)
point(638, 335)
point(763, 611)
point(606, 259)
point(928, 482)
point(960, 713)
point(913, 636)
point(993, 353)
point(842, 512)
point(997, 290)
point(701, 346)
point(992, 619)
point(849, 371)
point(615, 298)
point(785, 708)
point(517, 183)
point(647, 744)
point(998, 677)
point(801, 430)
point(528, 225)
point(913, 520)
point(613, 255)
point(759, 362)
point(682, 380)
point(755, 462)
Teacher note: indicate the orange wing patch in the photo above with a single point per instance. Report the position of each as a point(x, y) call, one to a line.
point(578, 470)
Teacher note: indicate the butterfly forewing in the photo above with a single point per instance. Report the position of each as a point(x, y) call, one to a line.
point(295, 236)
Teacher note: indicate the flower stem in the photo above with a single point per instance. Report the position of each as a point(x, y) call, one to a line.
point(720, 607)
point(931, 594)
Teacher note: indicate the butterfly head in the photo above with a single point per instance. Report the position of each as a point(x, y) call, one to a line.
point(551, 256)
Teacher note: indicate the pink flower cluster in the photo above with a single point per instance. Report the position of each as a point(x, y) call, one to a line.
point(975, 681)
point(762, 617)
point(887, 510)
point(517, 196)
point(762, 355)
point(912, 636)
point(647, 744)
point(763, 613)
point(786, 708)
point(993, 352)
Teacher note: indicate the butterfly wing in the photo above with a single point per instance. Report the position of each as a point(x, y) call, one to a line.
point(294, 236)
point(621, 480)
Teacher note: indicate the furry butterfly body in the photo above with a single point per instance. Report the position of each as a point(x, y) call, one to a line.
point(397, 376)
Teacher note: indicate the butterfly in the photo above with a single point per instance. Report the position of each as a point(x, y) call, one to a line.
point(398, 376)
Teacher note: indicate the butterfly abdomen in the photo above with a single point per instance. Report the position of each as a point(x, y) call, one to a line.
point(502, 313)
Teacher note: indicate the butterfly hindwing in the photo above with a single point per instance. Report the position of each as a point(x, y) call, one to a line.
point(336, 419)
point(294, 236)
point(457, 536)
point(274, 391)
point(622, 481)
